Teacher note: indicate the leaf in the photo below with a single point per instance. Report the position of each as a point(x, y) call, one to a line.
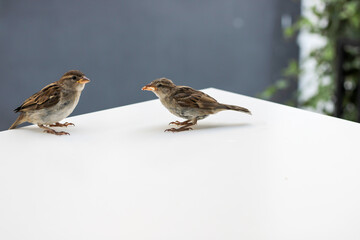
point(292, 69)
point(334, 19)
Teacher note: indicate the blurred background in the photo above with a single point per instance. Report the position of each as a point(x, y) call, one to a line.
point(122, 45)
point(256, 48)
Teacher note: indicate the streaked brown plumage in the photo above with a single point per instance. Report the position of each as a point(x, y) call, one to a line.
point(53, 103)
point(186, 102)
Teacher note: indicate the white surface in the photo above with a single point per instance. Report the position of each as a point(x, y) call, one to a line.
point(282, 173)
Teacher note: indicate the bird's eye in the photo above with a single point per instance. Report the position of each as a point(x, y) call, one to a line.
point(74, 77)
point(159, 85)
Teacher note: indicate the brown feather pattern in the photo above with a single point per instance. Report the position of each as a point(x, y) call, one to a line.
point(46, 97)
point(189, 97)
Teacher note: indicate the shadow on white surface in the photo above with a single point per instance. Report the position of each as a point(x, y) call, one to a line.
point(31, 128)
point(221, 125)
point(38, 130)
point(198, 127)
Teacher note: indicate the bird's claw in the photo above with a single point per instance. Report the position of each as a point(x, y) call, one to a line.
point(175, 123)
point(66, 124)
point(56, 133)
point(180, 123)
point(178, 129)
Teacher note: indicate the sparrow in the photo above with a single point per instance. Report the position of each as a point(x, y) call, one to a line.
point(53, 103)
point(186, 102)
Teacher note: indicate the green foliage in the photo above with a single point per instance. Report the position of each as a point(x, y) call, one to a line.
point(290, 75)
point(336, 19)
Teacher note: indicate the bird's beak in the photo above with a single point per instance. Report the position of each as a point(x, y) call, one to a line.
point(83, 80)
point(149, 88)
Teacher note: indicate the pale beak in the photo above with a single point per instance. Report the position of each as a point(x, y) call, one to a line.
point(83, 80)
point(149, 88)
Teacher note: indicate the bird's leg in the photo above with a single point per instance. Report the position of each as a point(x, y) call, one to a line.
point(180, 123)
point(185, 127)
point(52, 131)
point(61, 124)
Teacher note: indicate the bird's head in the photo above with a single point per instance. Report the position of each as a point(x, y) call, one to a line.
point(161, 86)
point(74, 80)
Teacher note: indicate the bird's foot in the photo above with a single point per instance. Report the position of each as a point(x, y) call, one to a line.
point(178, 129)
point(177, 123)
point(52, 131)
point(61, 124)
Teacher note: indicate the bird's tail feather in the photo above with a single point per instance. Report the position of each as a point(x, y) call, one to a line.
point(18, 121)
point(235, 108)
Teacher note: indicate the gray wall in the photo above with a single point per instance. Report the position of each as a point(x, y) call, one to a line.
point(122, 45)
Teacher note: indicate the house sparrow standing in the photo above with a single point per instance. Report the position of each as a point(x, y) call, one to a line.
point(53, 103)
point(187, 103)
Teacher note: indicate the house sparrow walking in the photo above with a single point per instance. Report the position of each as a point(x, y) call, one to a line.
point(53, 103)
point(186, 102)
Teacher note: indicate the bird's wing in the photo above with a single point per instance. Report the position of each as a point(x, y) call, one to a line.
point(189, 97)
point(46, 97)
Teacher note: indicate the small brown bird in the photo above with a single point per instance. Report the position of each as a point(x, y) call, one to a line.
point(53, 103)
point(186, 102)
